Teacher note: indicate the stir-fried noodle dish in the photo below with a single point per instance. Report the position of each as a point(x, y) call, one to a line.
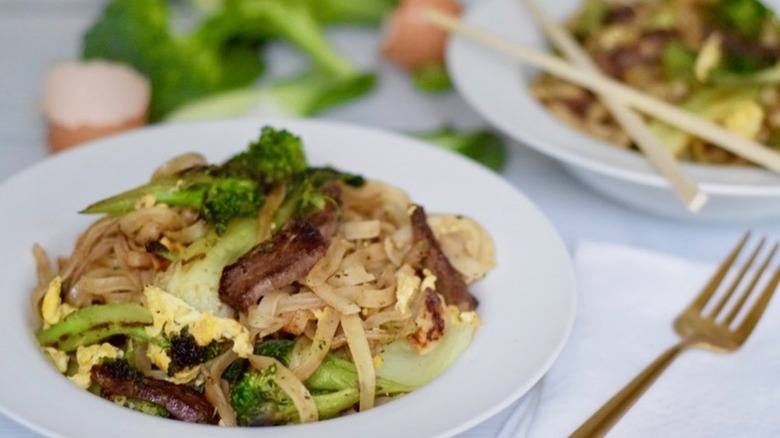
point(260, 291)
point(719, 59)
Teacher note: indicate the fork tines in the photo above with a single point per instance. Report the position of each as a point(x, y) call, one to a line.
point(738, 290)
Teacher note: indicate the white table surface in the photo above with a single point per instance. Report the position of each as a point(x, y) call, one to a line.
point(34, 34)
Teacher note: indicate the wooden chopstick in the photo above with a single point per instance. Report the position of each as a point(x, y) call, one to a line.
point(603, 85)
point(659, 156)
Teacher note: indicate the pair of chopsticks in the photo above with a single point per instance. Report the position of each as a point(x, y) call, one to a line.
point(618, 98)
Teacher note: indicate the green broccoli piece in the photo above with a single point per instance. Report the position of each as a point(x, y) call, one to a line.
point(272, 158)
point(143, 406)
point(352, 12)
point(303, 95)
point(258, 401)
point(305, 193)
point(482, 146)
point(677, 61)
point(432, 78)
point(221, 193)
point(290, 20)
point(92, 324)
point(216, 197)
point(335, 373)
point(185, 352)
point(744, 17)
point(180, 68)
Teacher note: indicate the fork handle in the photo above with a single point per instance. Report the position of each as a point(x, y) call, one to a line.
point(602, 421)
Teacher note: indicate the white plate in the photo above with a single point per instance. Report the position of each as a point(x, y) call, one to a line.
point(496, 86)
point(527, 302)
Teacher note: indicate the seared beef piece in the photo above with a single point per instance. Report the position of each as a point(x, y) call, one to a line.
point(272, 264)
point(449, 283)
point(183, 402)
point(327, 219)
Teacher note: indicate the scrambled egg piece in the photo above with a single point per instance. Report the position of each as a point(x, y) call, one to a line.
point(407, 285)
point(467, 317)
point(745, 119)
point(171, 314)
point(59, 358)
point(709, 57)
point(52, 307)
point(90, 356)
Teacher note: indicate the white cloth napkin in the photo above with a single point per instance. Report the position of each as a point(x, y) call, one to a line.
point(628, 299)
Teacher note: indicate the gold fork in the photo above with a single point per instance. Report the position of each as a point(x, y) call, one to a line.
point(708, 322)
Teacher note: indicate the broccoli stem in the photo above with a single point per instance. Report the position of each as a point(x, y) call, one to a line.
point(352, 12)
point(331, 404)
point(304, 95)
point(294, 21)
point(164, 192)
point(336, 372)
point(92, 324)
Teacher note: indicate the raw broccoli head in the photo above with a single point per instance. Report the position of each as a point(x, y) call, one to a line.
point(258, 401)
point(180, 68)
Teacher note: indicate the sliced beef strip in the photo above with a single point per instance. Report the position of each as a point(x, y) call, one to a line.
point(272, 264)
point(183, 402)
point(449, 282)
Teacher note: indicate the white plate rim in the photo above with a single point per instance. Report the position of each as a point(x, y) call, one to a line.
point(62, 409)
point(473, 66)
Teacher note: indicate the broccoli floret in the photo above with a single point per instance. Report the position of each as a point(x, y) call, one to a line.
point(745, 17)
point(92, 324)
point(258, 401)
point(305, 193)
point(274, 157)
point(290, 20)
point(143, 406)
point(185, 352)
point(482, 146)
point(217, 198)
point(221, 193)
point(180, 68)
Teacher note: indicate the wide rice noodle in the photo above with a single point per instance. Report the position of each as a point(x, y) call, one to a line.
point(361, 355)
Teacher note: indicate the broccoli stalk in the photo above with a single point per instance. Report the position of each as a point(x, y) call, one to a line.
point(303, 95)
point(482, 146)
point(221, 193)
point(335, 373)
point(352, 12)
point(95, 323)
point(258, 401)
point(290, 20)
point(222, 53)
